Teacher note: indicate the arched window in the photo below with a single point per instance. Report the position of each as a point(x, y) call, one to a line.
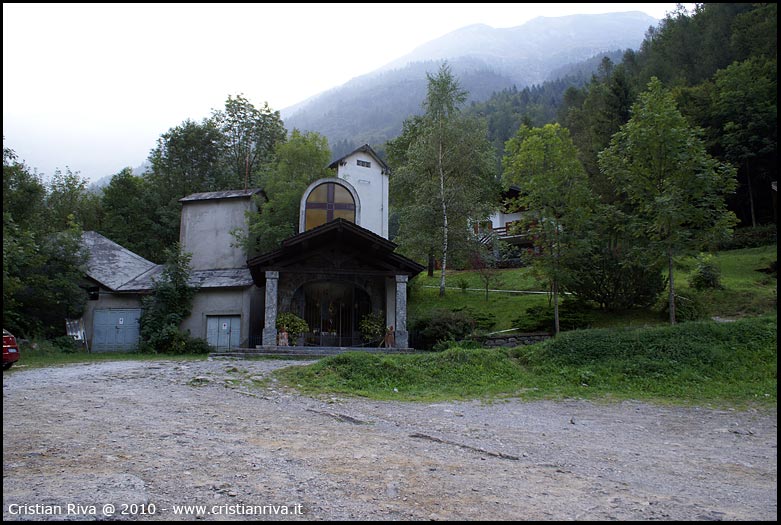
point(327, 202)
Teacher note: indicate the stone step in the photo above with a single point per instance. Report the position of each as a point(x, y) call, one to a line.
point(305, 351)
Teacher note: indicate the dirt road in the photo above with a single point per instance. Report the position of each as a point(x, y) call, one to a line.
point(177, 441)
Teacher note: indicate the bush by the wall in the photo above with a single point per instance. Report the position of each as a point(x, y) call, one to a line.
point(171, 340)
point(67, 344)
point(440, 325)
point(573, 315)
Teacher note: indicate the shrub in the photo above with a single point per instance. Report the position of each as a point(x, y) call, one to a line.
point(687, 308)
point(463, 284)
point(171, 340)
point(706, 273)
point(483, 321)
point(573, 315)
point(441, 325)
point(292, 324)
point(752, 237)
point(67, 344)
point(196, 345)
point(613, 280)
point(372, 327)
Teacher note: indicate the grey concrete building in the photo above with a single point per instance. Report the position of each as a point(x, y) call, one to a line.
point(117, 278)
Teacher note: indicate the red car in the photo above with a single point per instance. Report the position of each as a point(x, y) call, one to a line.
point(10, 349)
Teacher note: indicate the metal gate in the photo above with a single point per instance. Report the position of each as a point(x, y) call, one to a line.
point(115, 330)
point(223, 331)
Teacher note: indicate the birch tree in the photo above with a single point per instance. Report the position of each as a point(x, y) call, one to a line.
point(447, 171)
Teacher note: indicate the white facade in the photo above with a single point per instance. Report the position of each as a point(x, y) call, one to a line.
point(501, 220)
point(369, 176)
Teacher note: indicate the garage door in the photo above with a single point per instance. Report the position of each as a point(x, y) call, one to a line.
point(223, 331)
point(115, 330)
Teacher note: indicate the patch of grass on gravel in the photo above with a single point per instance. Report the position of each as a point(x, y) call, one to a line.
point(45, 355)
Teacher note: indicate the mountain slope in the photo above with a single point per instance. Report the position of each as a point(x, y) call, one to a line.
point(371, 108)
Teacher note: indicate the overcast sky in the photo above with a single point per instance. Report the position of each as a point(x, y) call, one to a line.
point(92, 87)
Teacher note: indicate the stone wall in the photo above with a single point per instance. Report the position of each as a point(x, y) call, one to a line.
point(514, 340)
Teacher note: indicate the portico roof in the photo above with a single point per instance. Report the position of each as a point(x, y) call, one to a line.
point(336, 247)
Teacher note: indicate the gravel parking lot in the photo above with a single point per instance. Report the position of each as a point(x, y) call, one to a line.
point(183, 440)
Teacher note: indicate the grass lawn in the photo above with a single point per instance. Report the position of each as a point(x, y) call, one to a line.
point(746, 292)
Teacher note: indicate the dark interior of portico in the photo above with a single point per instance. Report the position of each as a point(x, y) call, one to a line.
point(333, 310)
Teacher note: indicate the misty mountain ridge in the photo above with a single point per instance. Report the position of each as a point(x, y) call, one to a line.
point(547, 42)
point(485, 60)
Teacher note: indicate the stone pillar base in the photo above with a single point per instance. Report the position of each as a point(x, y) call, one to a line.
point(402, 339)
point(269, 337)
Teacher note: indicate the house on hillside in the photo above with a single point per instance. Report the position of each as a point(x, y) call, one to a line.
point(336, 270)
point(503, 224)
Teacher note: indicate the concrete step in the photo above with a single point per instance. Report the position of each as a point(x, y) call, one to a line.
point(305, 351)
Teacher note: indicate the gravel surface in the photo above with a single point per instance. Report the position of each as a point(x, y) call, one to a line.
point(200, 440)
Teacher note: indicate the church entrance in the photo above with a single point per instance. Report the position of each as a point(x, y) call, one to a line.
point(333, 311)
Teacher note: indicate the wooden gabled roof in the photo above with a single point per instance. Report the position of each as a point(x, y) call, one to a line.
point(336, 247)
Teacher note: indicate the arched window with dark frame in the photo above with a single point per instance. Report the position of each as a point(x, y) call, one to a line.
point(327, 202)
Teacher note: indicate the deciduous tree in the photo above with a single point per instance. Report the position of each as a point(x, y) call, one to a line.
point(249, 137)
point(554, 188)
point(301, 160)
point(676, 188)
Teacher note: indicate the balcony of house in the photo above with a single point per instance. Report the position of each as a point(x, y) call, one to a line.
point(509, 231)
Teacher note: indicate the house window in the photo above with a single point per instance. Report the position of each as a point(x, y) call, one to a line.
point(327, 202)
point(365, 164)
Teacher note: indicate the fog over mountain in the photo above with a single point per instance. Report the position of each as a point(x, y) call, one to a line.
point(371, 108)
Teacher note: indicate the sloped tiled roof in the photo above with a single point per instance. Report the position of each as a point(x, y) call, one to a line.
point(110, 264)
point(121, 270)
point(222, 278)
point(230, 278)
point(214, 195)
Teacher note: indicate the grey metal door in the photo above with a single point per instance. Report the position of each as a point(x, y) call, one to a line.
point(223, 331)
point(115, 330)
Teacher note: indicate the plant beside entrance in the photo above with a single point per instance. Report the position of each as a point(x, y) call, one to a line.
point(372, 327)
point(292, 324)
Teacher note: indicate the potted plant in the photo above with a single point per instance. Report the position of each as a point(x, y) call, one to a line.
point(293, 325)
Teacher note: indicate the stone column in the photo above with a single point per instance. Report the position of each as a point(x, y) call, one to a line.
point(402, 336)
point(270, 326)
